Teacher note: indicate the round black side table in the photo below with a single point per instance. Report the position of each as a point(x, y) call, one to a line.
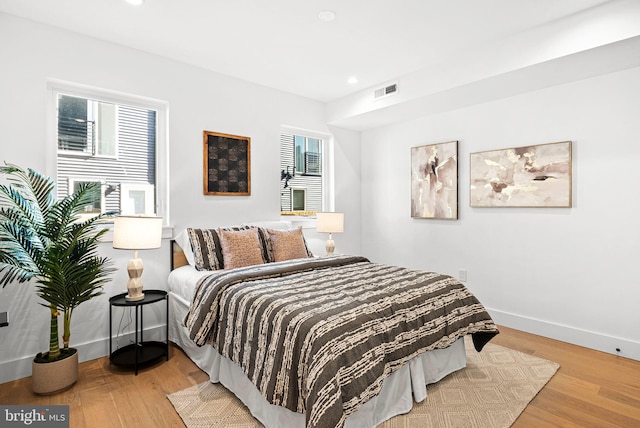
point(139, 353)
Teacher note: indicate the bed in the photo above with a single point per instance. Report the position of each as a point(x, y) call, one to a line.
point(308, 341)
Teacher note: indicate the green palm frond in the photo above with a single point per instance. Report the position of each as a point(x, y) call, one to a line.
point(11, 273)
point(29, 191)
point(46, 240)
point(21, 204)
point(12, 216)
point(42, 189)
point(20, 248)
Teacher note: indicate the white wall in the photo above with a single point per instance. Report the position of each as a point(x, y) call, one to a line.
point(563, 273)
point(198, 100)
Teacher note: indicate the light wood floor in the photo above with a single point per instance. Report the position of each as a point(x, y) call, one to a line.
point(591, 389)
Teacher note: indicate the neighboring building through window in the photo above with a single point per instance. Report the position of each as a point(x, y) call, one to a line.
point(87, 126)
point(308, 155)
point(299, 199)
point(110, 141)
point(303, 174)
point(97, 200)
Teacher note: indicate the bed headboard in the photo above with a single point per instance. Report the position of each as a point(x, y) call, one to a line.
point(177, 255)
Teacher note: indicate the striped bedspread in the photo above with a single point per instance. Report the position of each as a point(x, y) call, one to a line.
point(318, 336)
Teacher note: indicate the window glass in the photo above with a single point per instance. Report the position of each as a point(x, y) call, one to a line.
point(87, 126)
point(137, 198)
point(106, 132)
point(298, 199)
point(299, 153)
point(313, 145)
point(73, 125)
point(95, 207)
point(112, 143)
point(313, 156)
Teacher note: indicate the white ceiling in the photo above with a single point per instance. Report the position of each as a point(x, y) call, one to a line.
point(282, 43)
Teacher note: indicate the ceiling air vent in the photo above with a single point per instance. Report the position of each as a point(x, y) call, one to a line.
point(385, 91)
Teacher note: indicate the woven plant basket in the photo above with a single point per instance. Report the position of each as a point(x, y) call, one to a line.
point(51, 378)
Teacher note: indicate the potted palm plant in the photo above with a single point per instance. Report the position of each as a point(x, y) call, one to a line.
point(48, 243)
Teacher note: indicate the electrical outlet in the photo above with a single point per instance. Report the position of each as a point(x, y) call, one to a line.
point(4, 319)
point(462, 275)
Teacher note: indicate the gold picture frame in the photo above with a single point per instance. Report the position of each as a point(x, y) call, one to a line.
point(227, 164)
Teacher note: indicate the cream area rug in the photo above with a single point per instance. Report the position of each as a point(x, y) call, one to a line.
point(491, 391)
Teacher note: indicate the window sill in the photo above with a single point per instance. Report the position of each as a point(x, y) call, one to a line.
point(305, 222)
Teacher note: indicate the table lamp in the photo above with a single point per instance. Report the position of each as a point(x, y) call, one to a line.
point(136, 233)
point(330, 223)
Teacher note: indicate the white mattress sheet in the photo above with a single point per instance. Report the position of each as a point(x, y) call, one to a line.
point(182, 281)
point(396, 397)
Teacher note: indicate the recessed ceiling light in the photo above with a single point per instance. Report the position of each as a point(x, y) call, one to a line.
point(352, 80)
point(135, 2)
point(326, 15)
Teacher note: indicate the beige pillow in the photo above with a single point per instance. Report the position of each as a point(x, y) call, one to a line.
point(287, 244)
point(240, 248)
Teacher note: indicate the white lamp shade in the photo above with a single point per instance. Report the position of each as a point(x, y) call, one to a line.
point(330, 222)
point(137, 232)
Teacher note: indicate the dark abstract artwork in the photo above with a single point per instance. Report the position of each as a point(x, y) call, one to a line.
point(227, 164)
point(434, 181)
point(532, 176)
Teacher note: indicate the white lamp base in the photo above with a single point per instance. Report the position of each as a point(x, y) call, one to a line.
point(329, 246)
point(134, 299)
point(134, 285)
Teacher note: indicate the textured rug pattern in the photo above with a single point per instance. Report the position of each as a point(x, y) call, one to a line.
point(491, 391)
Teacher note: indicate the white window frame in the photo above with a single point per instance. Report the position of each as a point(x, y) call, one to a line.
point(55, 86)
point(125, 206)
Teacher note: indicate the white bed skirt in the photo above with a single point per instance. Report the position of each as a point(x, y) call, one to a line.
point(396, 397)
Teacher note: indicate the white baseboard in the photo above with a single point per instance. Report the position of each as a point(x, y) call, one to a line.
point(588, 339)
point(21, 367)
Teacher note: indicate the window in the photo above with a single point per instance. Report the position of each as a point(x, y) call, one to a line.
point(115, 139)
point(308, 155)
point(87, 126)
point(299, 199)
point(136, 198)
point(305, 178)
point(97, 202)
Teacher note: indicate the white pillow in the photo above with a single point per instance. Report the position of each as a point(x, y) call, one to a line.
point(275, 224)
point(182, 239)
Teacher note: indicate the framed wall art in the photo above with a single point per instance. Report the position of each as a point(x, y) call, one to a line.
point(227, 164)
point(531, 176)
point(434, 181)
